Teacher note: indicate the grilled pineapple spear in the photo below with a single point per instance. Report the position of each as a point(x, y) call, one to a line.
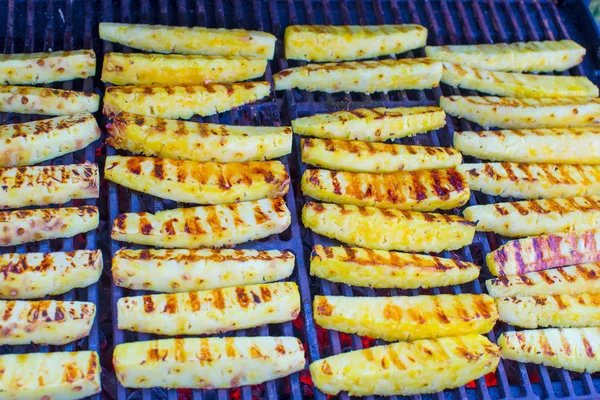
point(512, 113)
point(37, 68)
point(45, 322)
point(178, 101)
point(411, 190)
point(197, 141)
point(339, 43)
point(204, 226)
point(196, 40)
point(213, 311)
point(177, 69)
point(537, 217)
point(207, 363)
point(407, 368)
point(55, 184)
point(33, 142)
point(388, 229)
point(546, 56)
point(175, 271)
point(200, 183)
point(371, 125)
point(405, 318)
point(64, 375)
point(35, 100)
point(386, 269)
point(19, 227)
point(36, 275)
point(362, 76)
point(575, 349)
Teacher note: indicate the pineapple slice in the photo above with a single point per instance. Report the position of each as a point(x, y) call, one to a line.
point(386, 269)
point(339, 43)
point(362, 76)
point(176, 271)
point(207, 363)
point(511, 113)
point(37, 68)
point(204, 226)
point(24, 226)
point(64, 376)
point(544, 252)
point(533, 181)
point(417, 190)
point(55, 184)
point(197, 142)
point(45, 322)
point(358, 156)
point(182, 101)
point(36, 275)
point(201, 183)
point(405, 318)
point(563, 311)
point(537, 217)
point(44, 101)
point(514, 84)
point(558, 146)
point(419, 367)
point(177, 69)
point(388, 229)
point(37, 141)
point(583, 278)
point(574, 349)
point(371, 125)
point(195, 40)
point(546, 56)
point(212, 311)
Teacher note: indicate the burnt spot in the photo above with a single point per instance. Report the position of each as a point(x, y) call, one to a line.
point(265, 293)
point(145, 226)
point(323, 307)
point(59, 314)
point(171, 305)
point(218, 299)
point(8, 310)
point(134, 165)
point(242, 297)
point(148, 304)
point(255, 352)
point(158, 170)
point(71, 373)
point(280, 349)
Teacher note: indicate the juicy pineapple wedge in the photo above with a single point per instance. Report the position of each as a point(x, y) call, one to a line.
point(386, 269)
point(574, 349)
point(388, 229)
point(371, 125)
point(212, 311)
point(178, 101)
point(207, 363)
point(358, 156)
point(176, 270)
point(563, 311)
point(196, 40)
point(576, 279)
point(513, 113)
point(19, 227)
point(177, 69)
point(513, 84)
point(545, 56)
point(544, 252)
point(197, 141)
point(537, 217)
point(200, 183)
point(362, 76)
point(54, 184)
point(45, 322)
point(44, 101)
point(36, 275)
point(64, 376)
point(38, 68)
point(405, 318)
point(37, 141)
point(411, 190)
point(204, 226)
point(339, 43)
point(557, 146)
point(407, 368)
